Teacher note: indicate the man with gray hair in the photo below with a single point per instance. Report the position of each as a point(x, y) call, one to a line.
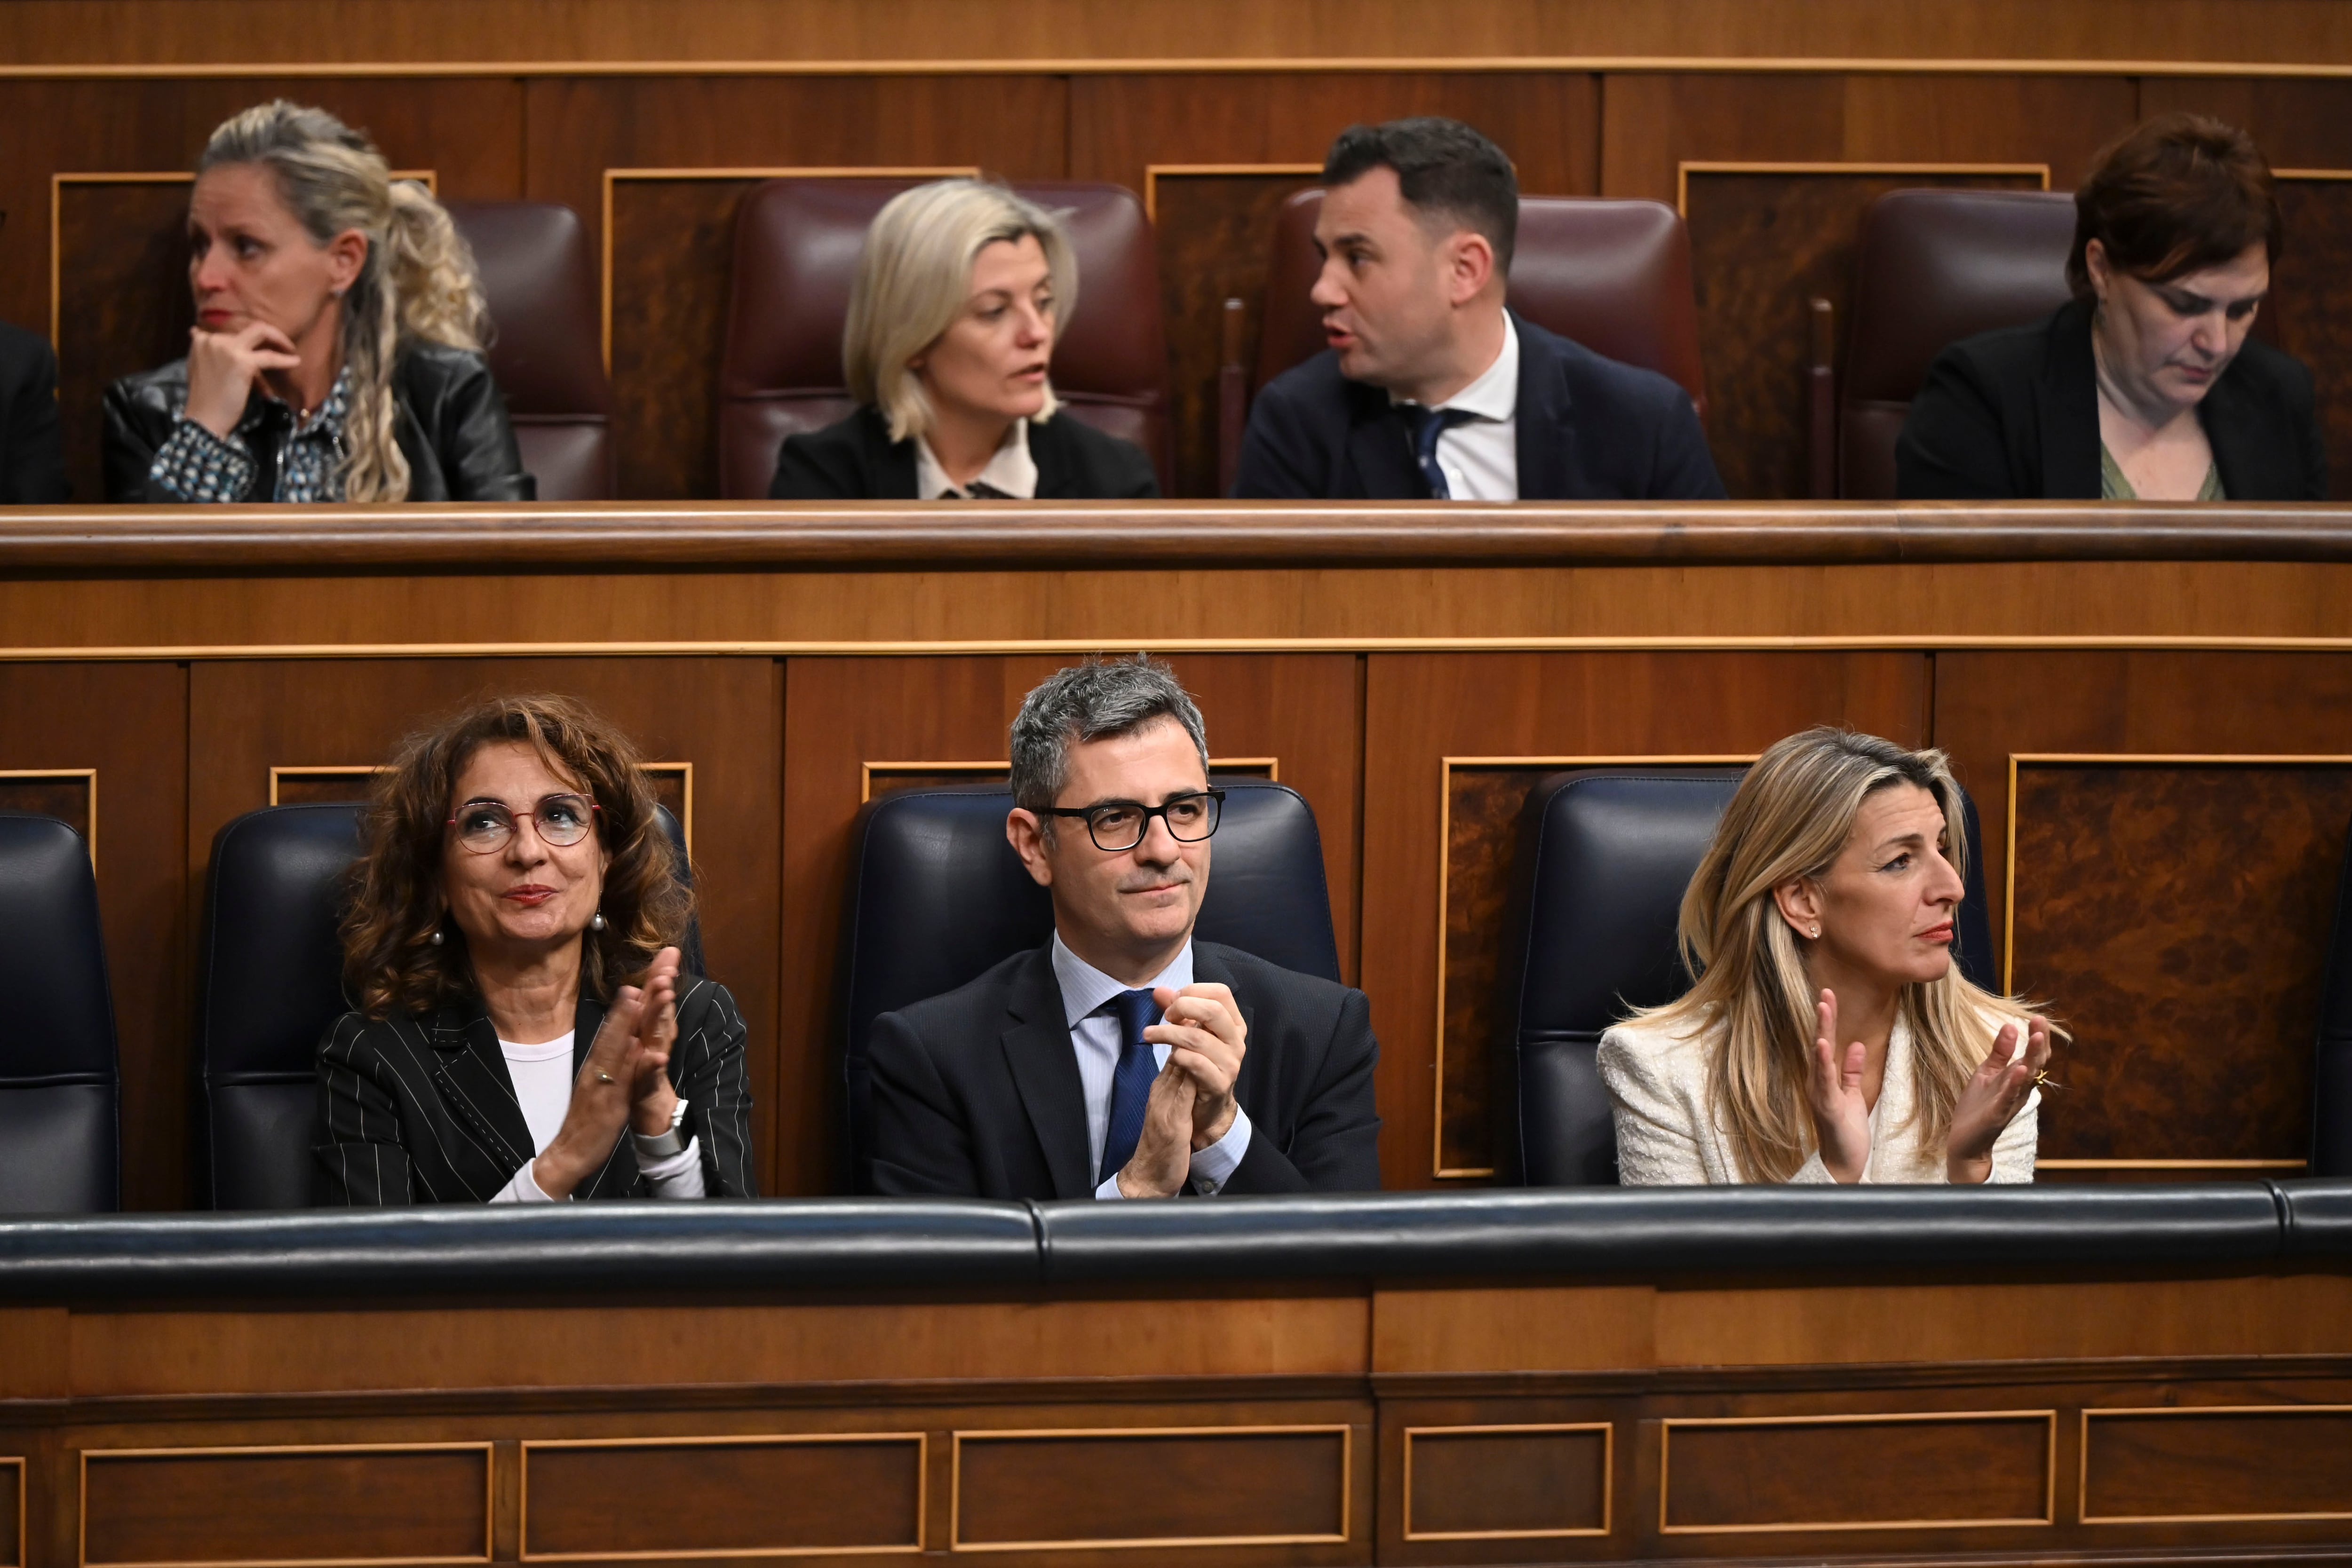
point(1123, 1058)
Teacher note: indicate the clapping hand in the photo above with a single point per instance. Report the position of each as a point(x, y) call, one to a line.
point(1994, 1094)
point(1206, 1038)
point(223, 367)
point(1162, 1160)
point(624, 1080)
point(1834, 1089)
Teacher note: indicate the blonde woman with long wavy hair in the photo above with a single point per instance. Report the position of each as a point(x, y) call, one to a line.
point(1829, 1037)
point(337, 353)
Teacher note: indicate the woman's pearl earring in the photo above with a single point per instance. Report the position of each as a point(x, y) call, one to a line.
point(436, 936)
point(1815, 932)
point(596, 921)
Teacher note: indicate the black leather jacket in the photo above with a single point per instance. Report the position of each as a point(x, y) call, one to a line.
point(453, 430)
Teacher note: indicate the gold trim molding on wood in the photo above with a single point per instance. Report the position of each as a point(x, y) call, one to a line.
point(1153, 172)
point(955, 1487)
point(489, 1501)
point(2082, 1496)
point(1608, 1431)
point(866, 770)
point(2049, 1452)
point(22, 1506)
point(1685, 169)
point(88, 776)
point(921, 1440)
point(943, 171)
point(1446, 767)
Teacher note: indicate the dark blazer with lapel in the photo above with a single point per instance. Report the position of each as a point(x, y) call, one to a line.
point(855, 459)
point(421, 1109)
point(2014, 415)
point(1589, 429)
point(976, 1094)
point(32, 452)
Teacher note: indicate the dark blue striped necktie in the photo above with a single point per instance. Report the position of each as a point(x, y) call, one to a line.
point(1427, 424)
point(1130, 1085)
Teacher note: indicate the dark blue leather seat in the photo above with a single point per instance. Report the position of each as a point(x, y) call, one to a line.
point(938, 897)
point(2331, 1079)
point(269, 982)
point(59, 1103)
point(1605, 856)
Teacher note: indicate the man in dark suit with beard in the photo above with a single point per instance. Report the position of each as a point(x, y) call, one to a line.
point(1123, 1058)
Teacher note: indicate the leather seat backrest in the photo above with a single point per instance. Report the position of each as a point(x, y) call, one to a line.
point(271, 981)
point(2331, 1081)
point(59, 1101)
point(796, 247)
point(1614, 276)
point(938, 897)
point(1606, 855)
point(548, 353)
point(1933, 268)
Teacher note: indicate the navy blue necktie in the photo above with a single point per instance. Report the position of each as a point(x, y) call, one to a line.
point(1130, 1085)
point(1427, 424)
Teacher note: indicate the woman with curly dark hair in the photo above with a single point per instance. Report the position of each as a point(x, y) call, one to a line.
point(519, 900)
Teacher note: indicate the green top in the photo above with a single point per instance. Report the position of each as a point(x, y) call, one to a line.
point(2113, 487)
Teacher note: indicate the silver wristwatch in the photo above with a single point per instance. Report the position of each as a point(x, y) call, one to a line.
point(662, 1145)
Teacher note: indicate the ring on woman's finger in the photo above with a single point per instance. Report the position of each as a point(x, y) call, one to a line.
point(606, 1077)
point(2044, 1081)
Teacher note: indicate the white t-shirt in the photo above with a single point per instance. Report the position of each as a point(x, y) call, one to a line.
point(542, 1084)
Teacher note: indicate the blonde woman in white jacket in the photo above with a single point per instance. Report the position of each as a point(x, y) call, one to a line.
point(1830, 1036)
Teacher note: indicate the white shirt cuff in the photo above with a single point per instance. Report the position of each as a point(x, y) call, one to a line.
point(1213, 1167)
point(521, 1189)
point(678, 1175)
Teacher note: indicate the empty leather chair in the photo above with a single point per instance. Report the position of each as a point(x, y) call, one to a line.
point(270, 980)
point(59, 1100)
point(1614, 276)
point(936, 897)
point(2331, 1079)
point(796, 248)
point(1605, 856)
point(548, 353)
point(1933, 268)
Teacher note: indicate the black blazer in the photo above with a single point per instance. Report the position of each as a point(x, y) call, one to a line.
point(1589, 429)
point(855, 459)
point(976, 1094)
point(2014, 415)
point(452, 428)
point(421, 1109)
point(32, 452)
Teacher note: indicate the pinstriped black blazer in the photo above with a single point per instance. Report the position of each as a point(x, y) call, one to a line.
point(421, 1109)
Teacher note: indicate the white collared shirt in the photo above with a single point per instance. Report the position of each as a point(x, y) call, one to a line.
point(1089, 999)
point(1481, 457)
point(1012, 472)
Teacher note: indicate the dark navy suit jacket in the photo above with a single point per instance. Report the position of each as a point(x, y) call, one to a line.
point(1589, 429)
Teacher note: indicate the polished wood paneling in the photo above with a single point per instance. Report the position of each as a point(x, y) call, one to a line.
point(758, 1496)
point(1423, 708)
point(1506, 1482)
point(122, 304)
point(2172, 906)
point(315, 1505)
point(2238, 1463)
point(12, 1510)
point(2312, 316)
point(722, 714)
point(1764, 243)
point(69, 796)
point(843, 714)
point(1230, 1488)
point(1823, 1473)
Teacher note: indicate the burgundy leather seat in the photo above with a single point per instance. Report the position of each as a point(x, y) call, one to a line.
point(547, 354)
point(1933, 268)
point(796, 247)
point(1614, 276)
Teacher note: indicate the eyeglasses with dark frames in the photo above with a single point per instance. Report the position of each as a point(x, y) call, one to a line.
point(486, 826)
point(1121, 824)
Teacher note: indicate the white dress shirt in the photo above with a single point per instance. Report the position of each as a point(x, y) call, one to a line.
point(1011, 472)
point(1667, 1134)
point(542, 1084)
point(1089, 1005)
point(1481, 457)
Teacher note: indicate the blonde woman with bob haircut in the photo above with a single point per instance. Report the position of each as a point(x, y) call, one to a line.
point(1830, 1036)
point(337, 354)
point(961, 291)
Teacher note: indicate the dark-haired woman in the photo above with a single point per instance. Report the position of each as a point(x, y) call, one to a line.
point(2146, 385)
point(337, 350)
point(524, 1033)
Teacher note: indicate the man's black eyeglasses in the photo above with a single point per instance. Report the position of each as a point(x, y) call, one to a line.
point(1121, 824)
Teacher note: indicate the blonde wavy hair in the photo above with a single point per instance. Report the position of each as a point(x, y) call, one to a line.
point(1789, 820)
point(418, 283)
point(914, 278)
